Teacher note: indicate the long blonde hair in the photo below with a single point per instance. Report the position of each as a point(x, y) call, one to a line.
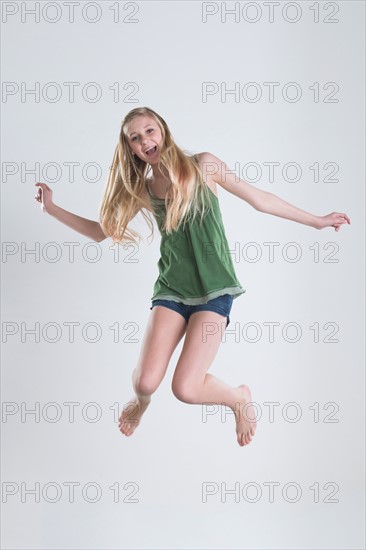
point(126, 194)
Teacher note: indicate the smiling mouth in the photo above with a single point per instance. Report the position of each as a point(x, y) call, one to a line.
point(151, 151)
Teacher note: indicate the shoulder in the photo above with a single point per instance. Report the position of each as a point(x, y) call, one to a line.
point(219, 173)
point(207, 159)
point(208, 163)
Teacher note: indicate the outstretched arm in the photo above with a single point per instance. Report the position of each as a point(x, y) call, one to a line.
point(272, 204)
point(89, 228)
point(264, 201)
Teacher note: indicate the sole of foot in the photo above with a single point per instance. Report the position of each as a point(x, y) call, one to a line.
point(245, 414)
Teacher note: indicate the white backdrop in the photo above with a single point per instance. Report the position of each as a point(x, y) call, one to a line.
point(181, 480)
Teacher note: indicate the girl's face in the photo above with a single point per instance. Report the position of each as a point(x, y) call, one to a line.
point(144, 137)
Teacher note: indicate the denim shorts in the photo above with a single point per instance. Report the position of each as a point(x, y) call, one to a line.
point(221, 304)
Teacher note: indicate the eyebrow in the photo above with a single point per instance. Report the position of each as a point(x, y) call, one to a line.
point(144, 128)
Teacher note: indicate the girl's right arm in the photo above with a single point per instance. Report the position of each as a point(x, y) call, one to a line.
point(89, 228)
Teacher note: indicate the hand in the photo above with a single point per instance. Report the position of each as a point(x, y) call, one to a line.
point(335, 219)
point(44, 196)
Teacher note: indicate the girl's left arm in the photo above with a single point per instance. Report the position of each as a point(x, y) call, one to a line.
point(267, 202)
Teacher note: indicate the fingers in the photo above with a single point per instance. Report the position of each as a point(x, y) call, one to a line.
point(344, 218)
point(338, 226)
point(341, 218)
point(43, 185)
point(41, 188)
point(38, 196)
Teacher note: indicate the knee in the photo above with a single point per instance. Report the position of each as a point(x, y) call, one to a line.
point(184, 391)
point(144, 384)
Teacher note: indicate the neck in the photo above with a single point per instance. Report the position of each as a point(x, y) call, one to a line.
point(159, 177)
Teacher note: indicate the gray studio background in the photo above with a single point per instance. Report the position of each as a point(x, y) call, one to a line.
point(168, 52)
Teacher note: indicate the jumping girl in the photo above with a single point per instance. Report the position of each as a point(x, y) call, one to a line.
point(197, 283)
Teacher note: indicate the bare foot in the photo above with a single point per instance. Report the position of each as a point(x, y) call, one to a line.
point(245, 415)
point(131, 415)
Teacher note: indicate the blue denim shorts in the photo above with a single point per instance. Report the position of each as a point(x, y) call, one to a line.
point(221, 304)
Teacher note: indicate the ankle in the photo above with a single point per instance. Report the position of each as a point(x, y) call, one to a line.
point(143, 399)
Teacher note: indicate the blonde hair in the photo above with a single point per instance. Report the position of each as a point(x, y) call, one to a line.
point(126, 194)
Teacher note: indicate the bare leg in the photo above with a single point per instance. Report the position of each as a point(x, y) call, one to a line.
point(192, 384)
point(163, 333)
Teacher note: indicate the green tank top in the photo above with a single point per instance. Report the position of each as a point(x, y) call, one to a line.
point(195, 264)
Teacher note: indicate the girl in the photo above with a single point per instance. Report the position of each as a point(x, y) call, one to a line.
point(197, 283)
